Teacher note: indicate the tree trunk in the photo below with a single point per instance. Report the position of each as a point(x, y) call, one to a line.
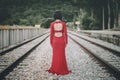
point(118, 20)
point(108, 15)
point(117, 12)
point(92, 14)
point(114, 14)
point(103, 21)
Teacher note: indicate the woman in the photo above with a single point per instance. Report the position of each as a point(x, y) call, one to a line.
point(58, 41)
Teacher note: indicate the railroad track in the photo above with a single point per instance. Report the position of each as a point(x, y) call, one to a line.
point(104, 55)
point(16, 46)
point(11, 58)
point(116, 52)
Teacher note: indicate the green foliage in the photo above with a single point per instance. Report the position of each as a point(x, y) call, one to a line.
point(31, 12)
point(3, 15)
point(89, 23)
point(94, 25)
point(46, 22)
point(86, 22)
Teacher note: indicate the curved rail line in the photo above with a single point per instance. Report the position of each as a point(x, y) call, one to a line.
point(110, 67)
point(16, 46)
point(97, 44)
point(10, 67)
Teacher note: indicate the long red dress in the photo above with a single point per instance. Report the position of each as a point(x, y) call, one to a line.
point(59, 64)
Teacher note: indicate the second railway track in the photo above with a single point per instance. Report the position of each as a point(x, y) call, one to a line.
point(4, 51)
point(106, 57)
point(116, 51)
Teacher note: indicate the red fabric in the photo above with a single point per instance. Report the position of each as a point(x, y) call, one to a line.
point(59, 64)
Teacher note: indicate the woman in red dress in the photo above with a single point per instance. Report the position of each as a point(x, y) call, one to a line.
point(58, 41)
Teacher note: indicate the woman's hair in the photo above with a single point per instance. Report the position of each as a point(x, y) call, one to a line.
point(58, 15)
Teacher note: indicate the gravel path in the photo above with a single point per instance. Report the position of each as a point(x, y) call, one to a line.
point(82, 65)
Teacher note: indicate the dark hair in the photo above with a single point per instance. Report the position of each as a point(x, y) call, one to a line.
point(58, 15)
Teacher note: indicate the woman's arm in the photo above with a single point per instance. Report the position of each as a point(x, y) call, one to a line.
point(51, 33)
point(65, 33)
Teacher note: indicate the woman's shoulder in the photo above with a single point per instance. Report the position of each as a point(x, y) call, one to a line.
point(63, 22)
point(52, 23)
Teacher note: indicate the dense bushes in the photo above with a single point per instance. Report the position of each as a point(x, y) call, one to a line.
point(89, 23)
point(4, 14)
point(33, 12)
point(46, 23)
